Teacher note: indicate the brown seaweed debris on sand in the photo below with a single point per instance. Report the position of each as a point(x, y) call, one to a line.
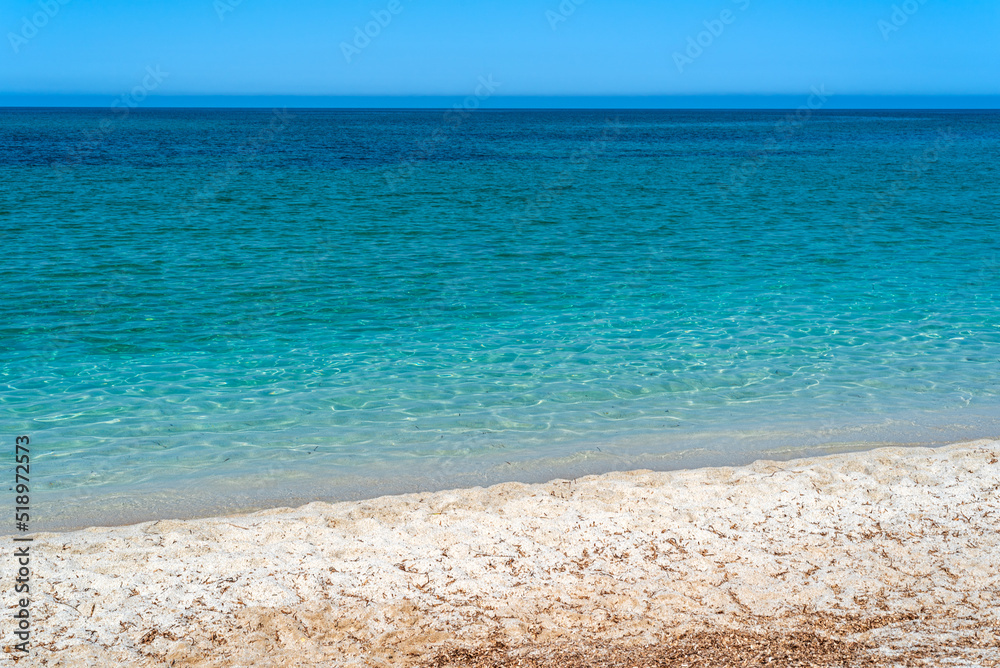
point(717, 648)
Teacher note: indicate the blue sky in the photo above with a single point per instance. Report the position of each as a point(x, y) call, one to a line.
point(528, 47)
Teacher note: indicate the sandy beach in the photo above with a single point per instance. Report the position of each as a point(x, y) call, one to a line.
point(887, 557)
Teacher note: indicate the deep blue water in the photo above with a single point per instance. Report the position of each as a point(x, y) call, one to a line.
point(209, 310)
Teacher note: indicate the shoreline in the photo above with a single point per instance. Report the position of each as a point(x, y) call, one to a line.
point(893, 551)
point(285, 484)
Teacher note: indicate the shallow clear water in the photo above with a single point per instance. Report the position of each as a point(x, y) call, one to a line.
point(215, 310)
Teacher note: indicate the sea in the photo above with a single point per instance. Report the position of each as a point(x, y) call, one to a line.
point(208, 311)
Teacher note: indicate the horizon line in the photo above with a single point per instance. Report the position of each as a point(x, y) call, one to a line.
point(700, 101)
point(501, 109)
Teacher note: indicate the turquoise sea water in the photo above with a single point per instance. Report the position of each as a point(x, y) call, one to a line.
point(206, 311)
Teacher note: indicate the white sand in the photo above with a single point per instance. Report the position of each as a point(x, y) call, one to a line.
point(906, 541)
